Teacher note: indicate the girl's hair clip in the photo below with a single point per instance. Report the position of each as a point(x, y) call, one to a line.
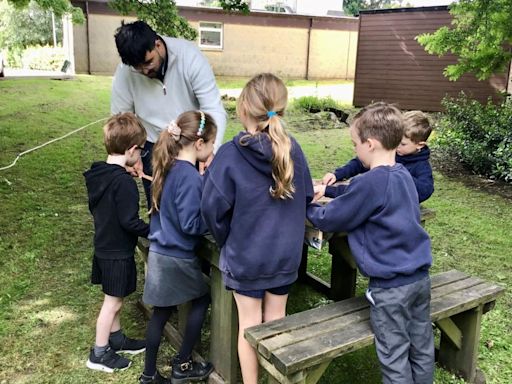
point(201, 124)
point(271, 114)
point(174, 130)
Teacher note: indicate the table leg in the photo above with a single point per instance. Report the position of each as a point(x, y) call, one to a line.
point(463, 361)
point(224, 329)
point(343, 270)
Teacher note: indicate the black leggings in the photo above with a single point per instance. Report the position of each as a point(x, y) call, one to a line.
point(192, 334)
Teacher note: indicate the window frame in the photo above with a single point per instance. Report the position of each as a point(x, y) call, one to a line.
point(207, 29)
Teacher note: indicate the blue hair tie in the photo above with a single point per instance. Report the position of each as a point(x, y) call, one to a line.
point(271, 114)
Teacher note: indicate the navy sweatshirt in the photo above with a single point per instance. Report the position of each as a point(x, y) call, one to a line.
point(260, 237)
point(417, 164)
point(177, 227)
point(114, 204)
point(380, 212)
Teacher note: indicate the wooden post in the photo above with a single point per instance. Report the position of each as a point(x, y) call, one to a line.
point(463, 361)
point(224, 318)
point(343, 270)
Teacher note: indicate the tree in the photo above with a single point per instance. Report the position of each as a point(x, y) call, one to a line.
point(161, 15)
point(59, 7)
point(26, 27)
point(352, 7)
point(480, 35)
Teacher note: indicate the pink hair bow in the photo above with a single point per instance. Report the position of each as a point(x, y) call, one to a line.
point(174, 130)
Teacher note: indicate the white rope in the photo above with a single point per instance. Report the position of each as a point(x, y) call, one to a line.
point(49, 142)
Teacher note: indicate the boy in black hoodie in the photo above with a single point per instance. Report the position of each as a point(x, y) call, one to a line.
point(114, 204)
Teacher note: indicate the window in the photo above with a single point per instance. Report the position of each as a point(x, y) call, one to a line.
point(210, 35)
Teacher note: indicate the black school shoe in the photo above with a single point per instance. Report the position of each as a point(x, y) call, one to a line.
point(189, 371)
point(156, 379)
point(129, 345)
point(109, 362)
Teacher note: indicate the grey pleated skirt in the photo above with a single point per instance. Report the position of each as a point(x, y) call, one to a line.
point(172, 280)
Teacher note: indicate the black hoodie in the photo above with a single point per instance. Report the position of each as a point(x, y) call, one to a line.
point(114, 204)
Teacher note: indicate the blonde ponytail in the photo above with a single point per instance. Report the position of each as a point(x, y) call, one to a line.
point(264, 99)
point(282, 163)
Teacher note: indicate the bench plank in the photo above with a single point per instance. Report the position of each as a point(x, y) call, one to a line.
point(254, 335)
point(308, 338)
point(265, 347)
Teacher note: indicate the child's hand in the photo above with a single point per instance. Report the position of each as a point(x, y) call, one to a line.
point(329, 178)
point(319, 192)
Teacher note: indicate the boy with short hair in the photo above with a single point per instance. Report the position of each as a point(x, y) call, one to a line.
point(380, 212)
point(412, 152)
point(114, 204)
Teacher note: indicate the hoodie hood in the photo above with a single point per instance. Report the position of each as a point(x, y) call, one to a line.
point(422, 155)
point(256, 149)
point(99, 178)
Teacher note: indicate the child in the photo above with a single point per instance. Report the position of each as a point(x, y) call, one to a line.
point(114, 204)
point(174, 272)
point(412, 152)
point(254, 203)
point(379, 210)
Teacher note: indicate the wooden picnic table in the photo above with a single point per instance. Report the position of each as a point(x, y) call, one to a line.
point(224, 317)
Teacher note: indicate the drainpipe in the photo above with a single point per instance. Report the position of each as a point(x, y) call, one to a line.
point(88, 38)
point(309, 45)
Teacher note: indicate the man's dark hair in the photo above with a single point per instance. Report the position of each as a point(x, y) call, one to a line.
point(133, 41)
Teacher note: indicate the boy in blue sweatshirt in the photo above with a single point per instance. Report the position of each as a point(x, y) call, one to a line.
point(412, 152)
point(379, 209)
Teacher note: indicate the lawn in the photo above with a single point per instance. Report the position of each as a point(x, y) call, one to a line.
point(48, 308)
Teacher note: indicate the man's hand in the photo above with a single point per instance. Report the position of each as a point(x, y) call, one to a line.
point(319, 192)
point(329, 178)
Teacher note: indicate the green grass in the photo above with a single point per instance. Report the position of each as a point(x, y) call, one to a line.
point(226, 82)
point(48, 307)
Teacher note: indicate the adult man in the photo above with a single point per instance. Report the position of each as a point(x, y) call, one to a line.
point(159, 78)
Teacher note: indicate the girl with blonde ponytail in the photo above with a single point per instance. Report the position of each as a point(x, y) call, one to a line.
point(254, 203)
point(174, 273)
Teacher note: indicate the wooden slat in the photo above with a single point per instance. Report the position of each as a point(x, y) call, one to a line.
point(302, 319)
point(314, 351)
point(310, 337)
point(450, 329)
point(267, 346)
point(457, 302)
point(299, 320)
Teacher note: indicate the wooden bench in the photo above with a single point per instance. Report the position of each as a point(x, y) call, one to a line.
point(299, 348)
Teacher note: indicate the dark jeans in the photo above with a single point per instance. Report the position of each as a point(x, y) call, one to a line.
point(148, 170)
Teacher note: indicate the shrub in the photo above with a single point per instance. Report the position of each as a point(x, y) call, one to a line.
point(313, 103)
point(43, 58)
point(480, 135)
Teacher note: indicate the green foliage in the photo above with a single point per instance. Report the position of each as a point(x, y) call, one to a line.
point(161, 15)
point(352, 7)
point(20, 28)
point(480, 35)
point(479, 135)
point(43, 58)
point(59, 7)
point(308, 103)
point(235, 5)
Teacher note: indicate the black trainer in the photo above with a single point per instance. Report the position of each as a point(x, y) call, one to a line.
point(129, 345)
point(156, 379)
point(189, 371)
point(109, 362)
